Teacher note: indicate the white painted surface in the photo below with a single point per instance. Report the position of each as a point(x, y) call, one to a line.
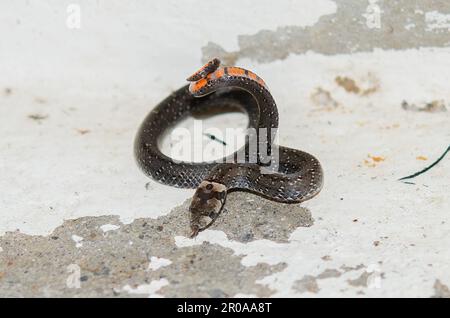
point(78, 240)
point(158, 262)
point(109, 227)
point(437, 21)
point(147, 289)
point(373, 15)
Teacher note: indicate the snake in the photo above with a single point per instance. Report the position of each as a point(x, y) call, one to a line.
point(261, 167)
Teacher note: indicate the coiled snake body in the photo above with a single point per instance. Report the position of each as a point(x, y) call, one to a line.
point(274, 172)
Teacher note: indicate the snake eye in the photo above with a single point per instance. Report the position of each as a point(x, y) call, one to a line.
point(209, 186)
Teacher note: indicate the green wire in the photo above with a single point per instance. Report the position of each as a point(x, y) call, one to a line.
point(427, 168)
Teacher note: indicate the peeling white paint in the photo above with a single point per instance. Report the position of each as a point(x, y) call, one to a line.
point(410, 26)
point(260, 251)
point(437, 21)
point(373, 15)
point(78, 240)
point(158, 262)
point(109, 227)
point(148, 289)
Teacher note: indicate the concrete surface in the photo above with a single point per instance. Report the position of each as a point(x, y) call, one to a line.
point(363, 85)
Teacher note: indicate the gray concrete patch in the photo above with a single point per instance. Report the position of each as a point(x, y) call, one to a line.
point(113, 258)
point(360, 281)
point(249, 217)
point(329, 273)
point(309, 283)
point(353, 28)
point(441, 290)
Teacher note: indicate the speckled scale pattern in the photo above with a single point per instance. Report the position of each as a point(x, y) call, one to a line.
point(297, 176)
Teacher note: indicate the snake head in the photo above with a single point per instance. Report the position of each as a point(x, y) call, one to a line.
point(206, 205)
